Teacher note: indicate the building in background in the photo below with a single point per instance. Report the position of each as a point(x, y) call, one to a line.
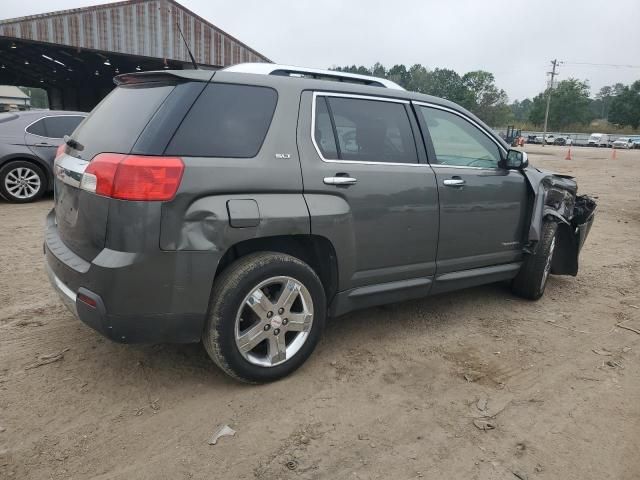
point(74, 54)
point(13, 99)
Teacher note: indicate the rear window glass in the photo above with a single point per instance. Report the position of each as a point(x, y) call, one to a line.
point(227, 121)
point(116, 123)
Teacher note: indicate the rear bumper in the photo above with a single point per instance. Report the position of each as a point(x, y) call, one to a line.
point(134, 297)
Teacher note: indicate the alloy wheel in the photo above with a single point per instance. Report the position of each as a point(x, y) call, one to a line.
point(274, 321)
point(22, 183)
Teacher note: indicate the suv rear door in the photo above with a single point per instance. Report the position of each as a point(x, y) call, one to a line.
point(113, 126)
point(369, 189)
point(483, 207)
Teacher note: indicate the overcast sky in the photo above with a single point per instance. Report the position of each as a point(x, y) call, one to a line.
point(515, 40)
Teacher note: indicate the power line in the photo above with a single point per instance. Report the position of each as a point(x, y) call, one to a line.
point(615, 65)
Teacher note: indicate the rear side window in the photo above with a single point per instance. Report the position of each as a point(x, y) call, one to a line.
point(116, 123)
point(58, 127)
point(226, 121)
point(366, 130)
point(37, 128)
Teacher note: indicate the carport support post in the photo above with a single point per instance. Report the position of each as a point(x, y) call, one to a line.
point(546, 112)
point(56, 101)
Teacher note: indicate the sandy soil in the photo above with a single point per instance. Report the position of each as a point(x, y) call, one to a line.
point(391, 392)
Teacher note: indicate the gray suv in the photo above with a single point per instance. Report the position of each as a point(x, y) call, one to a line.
point(28, 143)
point(241, 208)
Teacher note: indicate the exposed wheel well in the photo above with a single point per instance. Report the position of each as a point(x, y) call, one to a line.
point(316, 251)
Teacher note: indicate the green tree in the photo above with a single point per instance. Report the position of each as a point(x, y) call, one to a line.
point(39, 97)
point(485, 99)
point(625, 106)
point(521, 110)
point(398, 74)
point(474, 90)
point(417, 79)
point(570, 103)
point(445, 83)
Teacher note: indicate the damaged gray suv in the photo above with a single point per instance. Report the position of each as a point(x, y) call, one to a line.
point(241, 208)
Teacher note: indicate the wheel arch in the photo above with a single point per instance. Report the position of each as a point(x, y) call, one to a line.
point(315, 250)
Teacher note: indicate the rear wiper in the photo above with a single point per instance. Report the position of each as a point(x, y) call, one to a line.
point(73, 143)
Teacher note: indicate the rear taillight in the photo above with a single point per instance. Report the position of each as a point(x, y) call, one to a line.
point(133, 177)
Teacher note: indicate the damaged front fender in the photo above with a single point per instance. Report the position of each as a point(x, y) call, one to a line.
point(555, 198)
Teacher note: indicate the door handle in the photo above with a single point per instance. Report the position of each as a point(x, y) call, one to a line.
point(42, 144)
point(340, 180)
point(454, 182)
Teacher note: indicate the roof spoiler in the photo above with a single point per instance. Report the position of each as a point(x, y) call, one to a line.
point(163, 76)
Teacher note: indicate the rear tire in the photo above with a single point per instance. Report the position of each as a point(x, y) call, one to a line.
point(22, 182)
point(534, 273)
point(266, 315)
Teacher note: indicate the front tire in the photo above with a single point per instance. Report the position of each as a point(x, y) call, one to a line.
point(532, 278)
point(22, 182)
point(266, 315)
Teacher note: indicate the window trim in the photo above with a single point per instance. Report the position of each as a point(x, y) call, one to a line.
point(51, 116)
point(472, 122)
point(317, 94)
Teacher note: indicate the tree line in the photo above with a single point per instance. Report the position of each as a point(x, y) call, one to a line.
point(571, 102)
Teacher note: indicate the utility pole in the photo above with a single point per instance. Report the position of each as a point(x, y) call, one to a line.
point(553, 73)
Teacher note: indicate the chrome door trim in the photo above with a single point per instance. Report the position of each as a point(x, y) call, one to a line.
point(357, 97)
point(441, 165)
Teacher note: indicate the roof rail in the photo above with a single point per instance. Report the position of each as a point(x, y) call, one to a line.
point(293, 71)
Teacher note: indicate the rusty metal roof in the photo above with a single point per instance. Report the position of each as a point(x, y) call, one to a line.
point(134, 27)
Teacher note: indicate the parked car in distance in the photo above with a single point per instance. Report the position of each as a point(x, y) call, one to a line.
point(550, 139)
point(635, 141)
point(598, 140)
point(28, 143)
point(623, 142)
point(242, 207)
point(560, 141)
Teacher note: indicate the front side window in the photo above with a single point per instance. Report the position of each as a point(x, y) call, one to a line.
point(458, 142)
point(366, 130)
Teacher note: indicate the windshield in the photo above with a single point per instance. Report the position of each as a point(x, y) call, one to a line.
point(623, 139)
point(595, 136)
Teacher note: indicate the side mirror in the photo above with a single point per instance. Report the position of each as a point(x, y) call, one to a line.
point(516, 160)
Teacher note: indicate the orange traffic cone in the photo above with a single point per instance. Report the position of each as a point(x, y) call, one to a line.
point(613, 154)
point(568, 157)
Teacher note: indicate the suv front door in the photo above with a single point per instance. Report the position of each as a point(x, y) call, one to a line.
point(483, 207)
point(370, 191)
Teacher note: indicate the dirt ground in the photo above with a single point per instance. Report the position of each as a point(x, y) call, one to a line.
point(396, 392)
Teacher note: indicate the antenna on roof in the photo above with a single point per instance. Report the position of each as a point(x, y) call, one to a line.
point(186, 44)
